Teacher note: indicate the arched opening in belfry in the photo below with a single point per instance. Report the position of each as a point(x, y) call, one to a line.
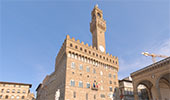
point(164, 86)
point(144, 90)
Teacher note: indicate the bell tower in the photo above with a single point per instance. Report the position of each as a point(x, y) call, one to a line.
point(98, 29)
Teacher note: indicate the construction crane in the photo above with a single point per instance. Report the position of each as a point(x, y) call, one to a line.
point(153, 56)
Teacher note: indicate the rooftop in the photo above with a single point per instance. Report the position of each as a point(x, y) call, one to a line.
point(30, 85)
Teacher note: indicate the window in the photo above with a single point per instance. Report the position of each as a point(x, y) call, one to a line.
point(13, 91)
point(23, 97)
point(82, 58)
point(71, 45)
point(102, 95)
point(110, 88)
point(23, 91)
point(72, 82)
point(114, 76)
point(81, 67)
point(0, 96)
point(86, 96)
point(114, 83)
point(72, 55)
point(88, 85)
point(110, 75)
point(12, 97)
point(94, 96)
point(6, 97)
point(72, 72)
point(96, 55)
point(2, 90)
point(101, 73)
point(94, 70)
point(18, 91)
point(80, 84)
point(89, 52)
point(101, 87)
point(18, 97)
point(8, 91)
point(73, 65)
point(81, 48)
point(74, 94)
point(88, 69)
point(110, 82)
point(76, 47)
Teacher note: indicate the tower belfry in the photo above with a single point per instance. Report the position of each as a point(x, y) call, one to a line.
point(98, 29)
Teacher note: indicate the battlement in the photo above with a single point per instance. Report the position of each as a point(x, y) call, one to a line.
point(87, 45)
point(81, 47)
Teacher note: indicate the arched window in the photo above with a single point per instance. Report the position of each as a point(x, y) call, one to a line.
point(2, 90)
point(80, 84)
point(88, 85)
point(0, 96)
point(81, 67)
point(6, 97)
point(18, 97)
point(12, 97)
point(88, 69)
point(73, 65)
point(13, 91)
point(23, 91)
point(72, 83)
point(18, 91)
point(7, 91)
point(23, 97)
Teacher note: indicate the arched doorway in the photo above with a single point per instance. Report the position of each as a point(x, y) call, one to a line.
point(144, 90)
point(164, 86)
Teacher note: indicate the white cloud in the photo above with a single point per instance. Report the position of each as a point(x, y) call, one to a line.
point(164, 48)
point(127, 67)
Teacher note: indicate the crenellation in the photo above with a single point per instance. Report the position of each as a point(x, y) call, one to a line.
point(67, 37)
point(87, 45)
point(78, 41)
point(82, 43)
point(111, 55)
point(73, 38)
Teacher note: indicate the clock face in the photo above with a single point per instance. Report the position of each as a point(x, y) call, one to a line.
point(101, 48)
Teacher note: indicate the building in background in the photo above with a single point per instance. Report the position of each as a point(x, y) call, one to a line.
point(156, 78)
point(126, 90)
point(83, 72)
point(15, 91)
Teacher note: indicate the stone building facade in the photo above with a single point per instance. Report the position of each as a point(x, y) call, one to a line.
point(126, 90)
point(156, 78)
point(15, 91)
point(83, 72)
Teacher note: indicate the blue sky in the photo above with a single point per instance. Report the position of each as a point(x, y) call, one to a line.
point(32, 32)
